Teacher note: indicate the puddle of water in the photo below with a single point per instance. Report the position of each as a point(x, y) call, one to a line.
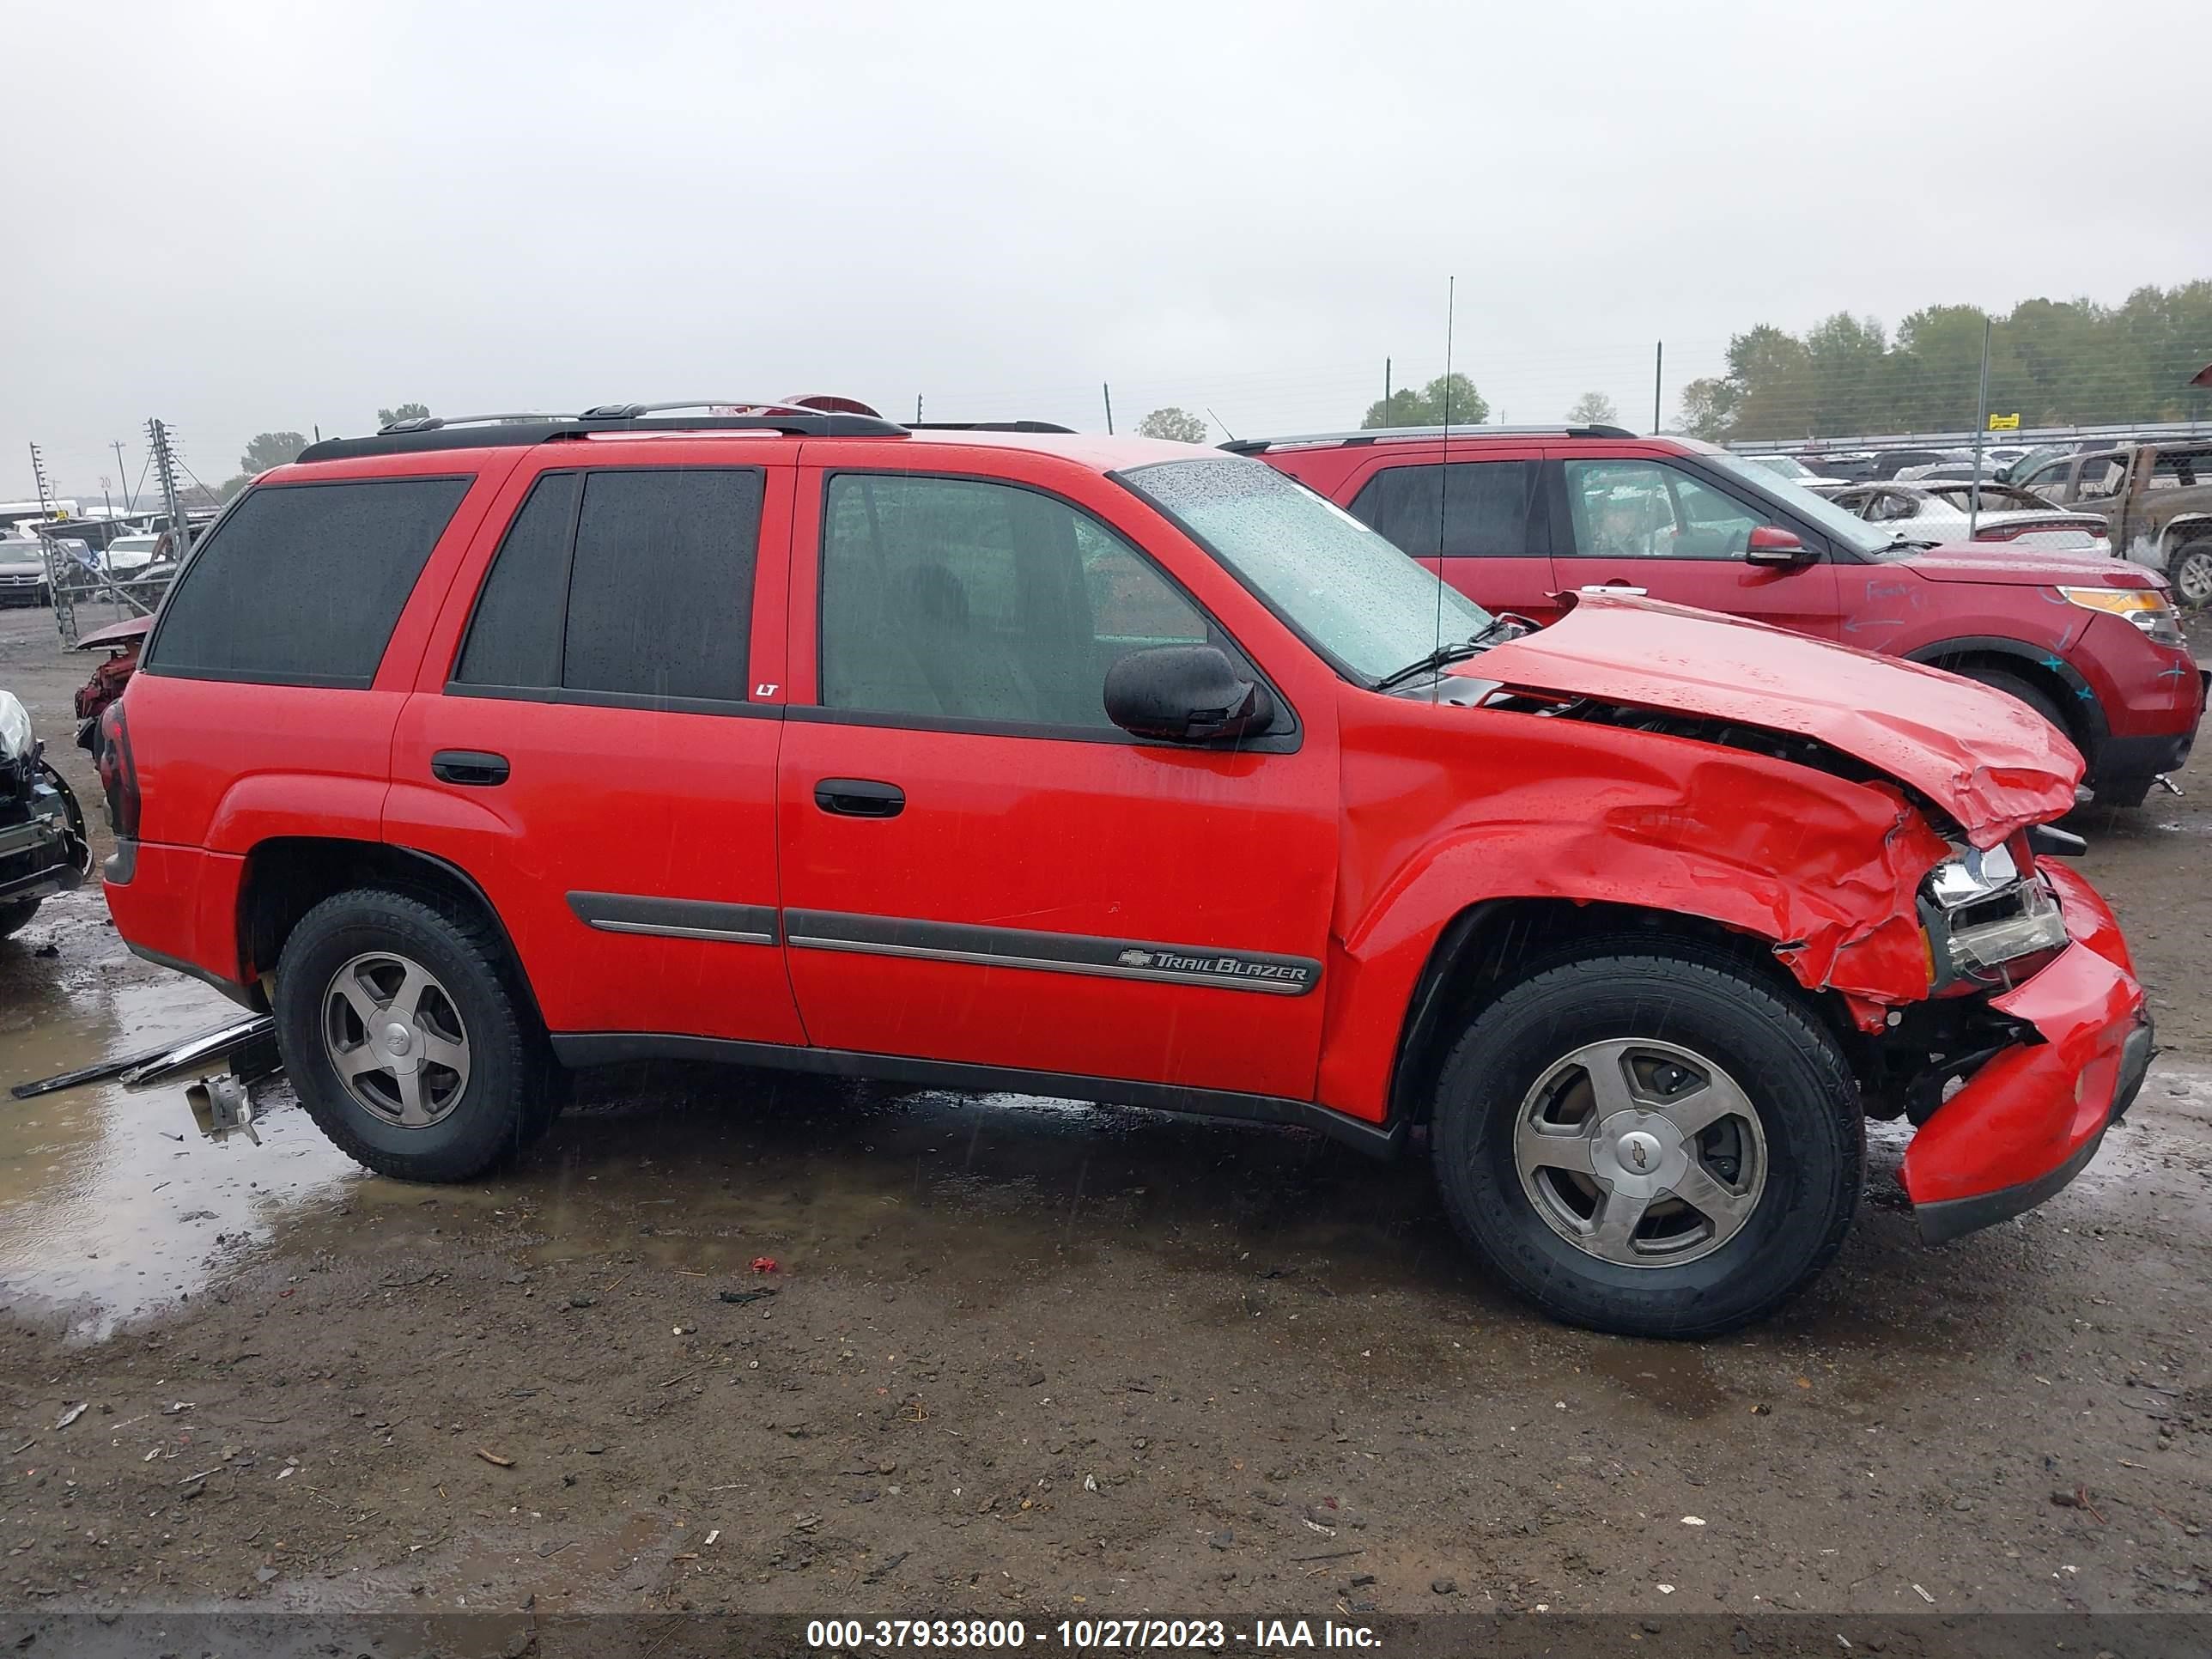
point(110, 1202)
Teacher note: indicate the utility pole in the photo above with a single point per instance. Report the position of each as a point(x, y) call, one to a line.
point(1658, 365)
point(165, 471)
point(1386, 389)
point(45, 493)
point(122, 472)
point(60, 591)
point(1981, 437)
point(917, 408)
point(1108, 392)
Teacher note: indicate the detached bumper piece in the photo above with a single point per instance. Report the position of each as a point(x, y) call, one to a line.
point(2029, 1121)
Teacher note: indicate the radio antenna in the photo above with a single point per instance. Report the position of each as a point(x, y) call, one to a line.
point(1443, 472)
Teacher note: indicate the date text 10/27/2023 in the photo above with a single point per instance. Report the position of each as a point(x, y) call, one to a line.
point(1084, 1635)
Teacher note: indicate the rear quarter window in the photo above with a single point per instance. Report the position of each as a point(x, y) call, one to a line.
point(303, 584)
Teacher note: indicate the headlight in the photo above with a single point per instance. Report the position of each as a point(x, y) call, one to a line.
point(16, 740)
point(2146, 608)
point(1980, 913)
point(1971, 874)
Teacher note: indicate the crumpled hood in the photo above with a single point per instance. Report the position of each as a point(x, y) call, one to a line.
point(1986, 759)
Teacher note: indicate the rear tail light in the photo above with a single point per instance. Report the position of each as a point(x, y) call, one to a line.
point(118, 772)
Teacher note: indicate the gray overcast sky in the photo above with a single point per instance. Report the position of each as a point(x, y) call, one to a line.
point(1241, 207)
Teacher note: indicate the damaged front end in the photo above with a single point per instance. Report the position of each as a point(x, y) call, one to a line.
point(2035, 1039)
point(44, 849)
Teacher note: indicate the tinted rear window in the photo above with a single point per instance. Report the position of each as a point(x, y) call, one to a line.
point(302, 583)
point(1480, 511)
point(515, 638)
point(649, 599)
point(660, 594)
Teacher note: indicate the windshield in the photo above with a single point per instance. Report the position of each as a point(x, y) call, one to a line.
point(1843, 526)
point(1352, 594)
point(1788, 465)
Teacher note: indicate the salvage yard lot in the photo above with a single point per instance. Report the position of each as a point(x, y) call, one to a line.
point(1034, 1357)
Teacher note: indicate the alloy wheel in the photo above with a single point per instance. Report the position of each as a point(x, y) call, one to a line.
point(1641, 1153)
point(396, 1039)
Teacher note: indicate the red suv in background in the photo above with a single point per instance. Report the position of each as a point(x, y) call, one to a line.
point(1115, 770)
point(1523, 517)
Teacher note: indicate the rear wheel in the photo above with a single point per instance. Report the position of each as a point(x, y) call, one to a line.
point(15, 916)
point(2192, 574)
point(408, 1038)
point(1649, 1143)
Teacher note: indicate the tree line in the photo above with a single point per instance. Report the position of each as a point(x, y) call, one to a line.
point(2051, 363)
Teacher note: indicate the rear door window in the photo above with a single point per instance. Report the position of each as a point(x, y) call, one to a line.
point(303, 584)
point(1474, 509)
point(630, 585)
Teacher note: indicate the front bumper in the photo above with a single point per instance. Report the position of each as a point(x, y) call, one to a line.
point(2029, 1121)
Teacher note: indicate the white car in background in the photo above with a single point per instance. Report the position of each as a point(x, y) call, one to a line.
point(1944, 513)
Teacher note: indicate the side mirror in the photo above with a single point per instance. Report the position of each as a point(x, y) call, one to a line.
point(1185, 694)
point(1770, 544)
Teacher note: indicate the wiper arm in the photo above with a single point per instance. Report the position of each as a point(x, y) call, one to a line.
point(1442, 657)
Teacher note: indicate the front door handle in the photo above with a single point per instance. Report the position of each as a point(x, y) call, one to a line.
point(860, 798)
point(1616, 587)
point(469, 766)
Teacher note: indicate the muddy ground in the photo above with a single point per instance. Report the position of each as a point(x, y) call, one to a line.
point(1035, 1355)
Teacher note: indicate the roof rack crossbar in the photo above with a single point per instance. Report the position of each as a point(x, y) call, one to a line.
point(513, 431)
point(986, 426)
point(436, 422)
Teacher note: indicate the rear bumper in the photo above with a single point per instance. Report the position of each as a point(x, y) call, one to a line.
point(178, 906)
point(2030, 1120)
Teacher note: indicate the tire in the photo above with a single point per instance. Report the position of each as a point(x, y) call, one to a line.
point(1790, 1174)
point(485, 1083)
point(2193, 575)
point(2022, 690)
point(16, 915)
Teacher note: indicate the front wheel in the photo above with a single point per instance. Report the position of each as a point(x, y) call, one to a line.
point(1649, 1143)
point(16, 915)
point(409, 1039)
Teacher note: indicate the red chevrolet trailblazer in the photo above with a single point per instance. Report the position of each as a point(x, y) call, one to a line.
point(1113, 770)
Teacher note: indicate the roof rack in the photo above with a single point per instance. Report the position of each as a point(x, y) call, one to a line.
point(1393, 435)
point(986, 426)
point(524, 431)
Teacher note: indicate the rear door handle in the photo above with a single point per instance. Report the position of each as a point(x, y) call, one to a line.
point(860, 798)
point(1616, 587)
point(470, 766)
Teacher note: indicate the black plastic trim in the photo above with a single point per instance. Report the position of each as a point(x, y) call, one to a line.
point(673, 918)
point(730, 710)
point(1211, 966)
point(579, 1048)
point(241, 994)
